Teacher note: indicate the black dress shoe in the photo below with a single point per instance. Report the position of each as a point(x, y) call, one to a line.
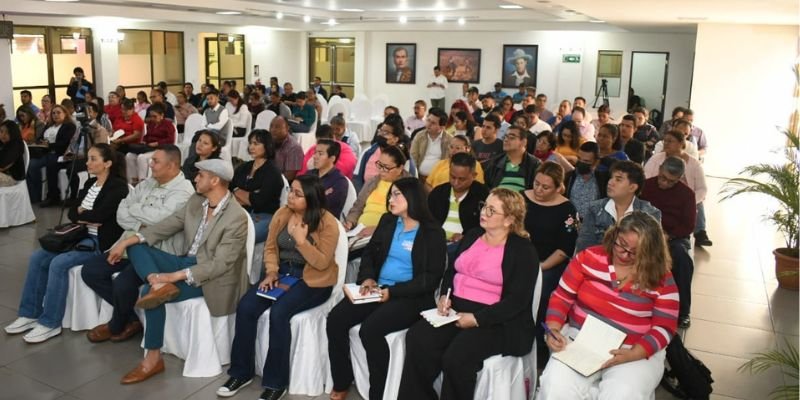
point(51, 202)
point(232, 386)
point(701, 239)
point(684, 322)
point(272, 394)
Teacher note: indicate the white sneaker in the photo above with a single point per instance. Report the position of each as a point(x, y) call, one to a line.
point(40, 333)
point(20, 325)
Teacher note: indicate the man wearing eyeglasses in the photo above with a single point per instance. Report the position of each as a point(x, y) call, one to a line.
point(513, 169)
point(677, 204)
point(625, 183)
point(152, 200)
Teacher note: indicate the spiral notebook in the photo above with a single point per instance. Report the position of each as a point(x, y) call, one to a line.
point(436, 320)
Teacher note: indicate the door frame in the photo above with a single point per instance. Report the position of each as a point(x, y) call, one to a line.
point(666, 76)
point(331, 47)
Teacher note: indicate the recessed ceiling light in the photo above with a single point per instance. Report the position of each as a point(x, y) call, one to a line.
point(331, 22)
point(510, 6)
point(440, 18)
point(462, 21)
point(228, 12)
point(352, 10)
point(306, 18)
point(597, 21)
point(279, 15)
point(62, 1)
point(345, 40)
point(403, 19)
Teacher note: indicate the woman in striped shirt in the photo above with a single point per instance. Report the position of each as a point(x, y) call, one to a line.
point(626, 283)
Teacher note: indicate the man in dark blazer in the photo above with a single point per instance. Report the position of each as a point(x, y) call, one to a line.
point(455, 205)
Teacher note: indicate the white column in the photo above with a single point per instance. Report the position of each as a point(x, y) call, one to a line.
point(6, 93)
point(106, 61)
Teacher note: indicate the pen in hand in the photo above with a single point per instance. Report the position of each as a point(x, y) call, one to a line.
point(549, 332)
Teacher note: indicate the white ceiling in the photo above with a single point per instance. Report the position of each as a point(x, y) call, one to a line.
point(604, 15)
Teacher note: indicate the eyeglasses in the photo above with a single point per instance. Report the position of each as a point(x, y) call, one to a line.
point(511, 137)
point(383, 167)
point(488, 210)
point(624, 250)
point(296, 193)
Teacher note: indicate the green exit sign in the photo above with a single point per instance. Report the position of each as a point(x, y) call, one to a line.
point(571, 58)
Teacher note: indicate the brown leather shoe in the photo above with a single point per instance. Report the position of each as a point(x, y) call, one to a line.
point(130, 330)
point(140, 374)
point(338, 395)
point(155, 298)
point(99, 333)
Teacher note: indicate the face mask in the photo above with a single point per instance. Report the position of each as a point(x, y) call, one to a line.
point(382, 143)
point(583, 168)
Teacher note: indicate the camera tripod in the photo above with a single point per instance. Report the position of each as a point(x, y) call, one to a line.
point(603, 89)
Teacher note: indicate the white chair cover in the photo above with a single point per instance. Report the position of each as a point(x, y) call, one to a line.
point(310, 369)
point(227, 133)
point(239, 144)
point(338, 108)
point(350, 199)
point(191, 333)
point(333, 100)
point(517, 106)
point(361, 110)
point(143, 114)
point(16, 202)
point(308, 139)
point(264, 118)
point(63, 181)
point(85, 309)
point(193, 124)
point(324, 104)
point(397, 354)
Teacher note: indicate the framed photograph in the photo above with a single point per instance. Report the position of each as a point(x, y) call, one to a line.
point(519, 65)
point(401, 63)
point(460, 65)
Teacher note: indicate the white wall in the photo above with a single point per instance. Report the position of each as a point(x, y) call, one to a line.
point(557, 80)
point(742, 90)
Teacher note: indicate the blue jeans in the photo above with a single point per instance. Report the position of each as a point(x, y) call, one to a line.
point(261, 222)
point(44, 294)
point(149, 260)
point(276, 368)
point(700, 222)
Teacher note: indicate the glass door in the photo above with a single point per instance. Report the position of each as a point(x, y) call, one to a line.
point(225, 59)
point(333, 60)
point(648, 84)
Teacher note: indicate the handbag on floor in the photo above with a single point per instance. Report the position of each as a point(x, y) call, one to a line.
point(685, 376)
point(65, 237)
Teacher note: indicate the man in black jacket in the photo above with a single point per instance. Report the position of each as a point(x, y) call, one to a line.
point(586, 183)
point(515, 168)
point(455, 205)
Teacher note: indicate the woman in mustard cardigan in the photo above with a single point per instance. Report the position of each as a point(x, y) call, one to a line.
point(301, 243)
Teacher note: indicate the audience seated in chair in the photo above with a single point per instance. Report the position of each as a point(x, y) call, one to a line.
point(44, 293)
point(237, 112)
point(586, 183)
point(326, 167)
point(489, 145)
point(94, 133)
point(303, 237)
point(12, 149)
point(132, 126)
point(183, 110)
point(390, 133)
point(211, 264)
point(346, 163)
point(417, 120)
point(206, 145)
point(544, 148)
point(56, 138)
point(160, 131)
point(645, 132)
point(29, 126)
point(634, 149)
point(158, 96)
point(153, 199)
point(514, 168)
point(342, 134)
point(490, 285)
point(303, 114)
point(609, 147)
point(215, 114)
point(406, 256)
point(440, 173)
point(432, 144)
point(289, 153)
point(257, 185)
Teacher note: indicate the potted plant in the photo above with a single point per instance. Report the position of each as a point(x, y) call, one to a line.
point(787, 360)
point(780, 181)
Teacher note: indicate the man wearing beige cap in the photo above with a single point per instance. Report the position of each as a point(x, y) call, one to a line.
point(211, 264)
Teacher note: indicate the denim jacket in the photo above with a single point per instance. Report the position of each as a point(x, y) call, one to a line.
point(597, 220)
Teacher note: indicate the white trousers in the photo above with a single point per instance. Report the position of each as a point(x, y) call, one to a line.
point(636, 380)
point(137, 165)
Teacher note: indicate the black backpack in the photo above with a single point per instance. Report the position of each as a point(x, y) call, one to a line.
point(685, 376)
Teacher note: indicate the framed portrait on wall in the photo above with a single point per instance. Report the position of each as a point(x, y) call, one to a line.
point(519, 65)
point(401, 63)
point(460, 65)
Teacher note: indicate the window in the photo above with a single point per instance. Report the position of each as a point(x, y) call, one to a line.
point(224, 59)
point(609, 69)
point(149, 57)
point(43, 57)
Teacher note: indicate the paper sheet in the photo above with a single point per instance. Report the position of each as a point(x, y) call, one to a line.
point(591, 348)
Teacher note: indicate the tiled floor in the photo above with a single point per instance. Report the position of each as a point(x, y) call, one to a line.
point(737, 310)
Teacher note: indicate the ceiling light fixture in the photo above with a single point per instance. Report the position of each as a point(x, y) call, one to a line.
point(331, 22)
point(440, 18)
point(510, 6)
point(306, 18)
point(352, 10)
point(462, 21)
point(279, 15)
point(403, 19)
point(228, 12)
point(597, 21)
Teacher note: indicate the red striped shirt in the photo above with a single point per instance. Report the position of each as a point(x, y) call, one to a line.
point(648, 317)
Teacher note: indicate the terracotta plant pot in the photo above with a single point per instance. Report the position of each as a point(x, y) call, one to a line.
point(786, 269)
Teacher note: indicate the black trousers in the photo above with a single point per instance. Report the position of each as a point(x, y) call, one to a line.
point(377, 320)
point(550, 279)
point(456, 353)
point(121, 292)
point(682, 271)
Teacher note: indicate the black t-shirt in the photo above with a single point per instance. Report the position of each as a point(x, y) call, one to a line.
point(485, 151)
point(551, 227)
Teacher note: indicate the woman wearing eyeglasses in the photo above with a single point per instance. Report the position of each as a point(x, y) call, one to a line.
point(404, 261)
point(490, 285)
point(370, 204)
point(626, 283)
